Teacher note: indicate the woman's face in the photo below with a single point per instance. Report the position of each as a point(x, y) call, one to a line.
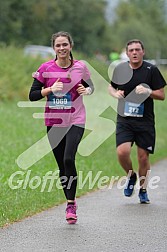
point(62, 47)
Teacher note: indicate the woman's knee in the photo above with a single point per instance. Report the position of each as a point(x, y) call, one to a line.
point(69, 162)
point(70, 169)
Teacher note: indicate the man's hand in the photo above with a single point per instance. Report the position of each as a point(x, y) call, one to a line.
point(140, 89)
point(119, 94)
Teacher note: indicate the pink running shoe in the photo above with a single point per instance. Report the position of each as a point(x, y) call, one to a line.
point(71, 216)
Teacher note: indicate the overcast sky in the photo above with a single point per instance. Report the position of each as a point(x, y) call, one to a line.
point(110, 15)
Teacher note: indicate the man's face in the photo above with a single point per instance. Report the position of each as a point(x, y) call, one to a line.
point(135, 53)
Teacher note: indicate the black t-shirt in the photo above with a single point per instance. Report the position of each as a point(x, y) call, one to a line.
point(142, 105)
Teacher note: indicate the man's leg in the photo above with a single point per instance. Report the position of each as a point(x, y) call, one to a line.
point(123, 152)
point(144, 166)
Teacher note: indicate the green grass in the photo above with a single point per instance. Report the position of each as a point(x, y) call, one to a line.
point(16, 73)
point(20, 131)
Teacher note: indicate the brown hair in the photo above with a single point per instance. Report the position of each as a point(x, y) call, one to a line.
point(62, 34)
point(134, 41)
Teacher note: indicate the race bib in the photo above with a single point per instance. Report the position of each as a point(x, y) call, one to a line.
point(134, 109)
point(59, 101)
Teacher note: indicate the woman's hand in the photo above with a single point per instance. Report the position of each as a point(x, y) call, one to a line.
point(57, 86)
point(83, 90)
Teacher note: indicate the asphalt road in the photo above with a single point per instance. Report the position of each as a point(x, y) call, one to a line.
point(107, 221)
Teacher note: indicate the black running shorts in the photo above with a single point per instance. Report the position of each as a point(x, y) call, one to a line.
point(143, 136)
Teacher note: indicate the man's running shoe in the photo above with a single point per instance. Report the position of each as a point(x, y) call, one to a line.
point(128, 191)
point(143, 196)
point(71, 216)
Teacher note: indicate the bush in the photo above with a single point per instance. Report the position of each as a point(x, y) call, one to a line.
point(16, 71)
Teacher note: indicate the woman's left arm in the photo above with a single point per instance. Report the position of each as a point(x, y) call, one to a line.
point(85, 87)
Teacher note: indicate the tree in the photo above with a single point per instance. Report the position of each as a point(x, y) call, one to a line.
point(144, 20)
point(34, 21)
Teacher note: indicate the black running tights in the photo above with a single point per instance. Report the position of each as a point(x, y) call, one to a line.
point(64, 143)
